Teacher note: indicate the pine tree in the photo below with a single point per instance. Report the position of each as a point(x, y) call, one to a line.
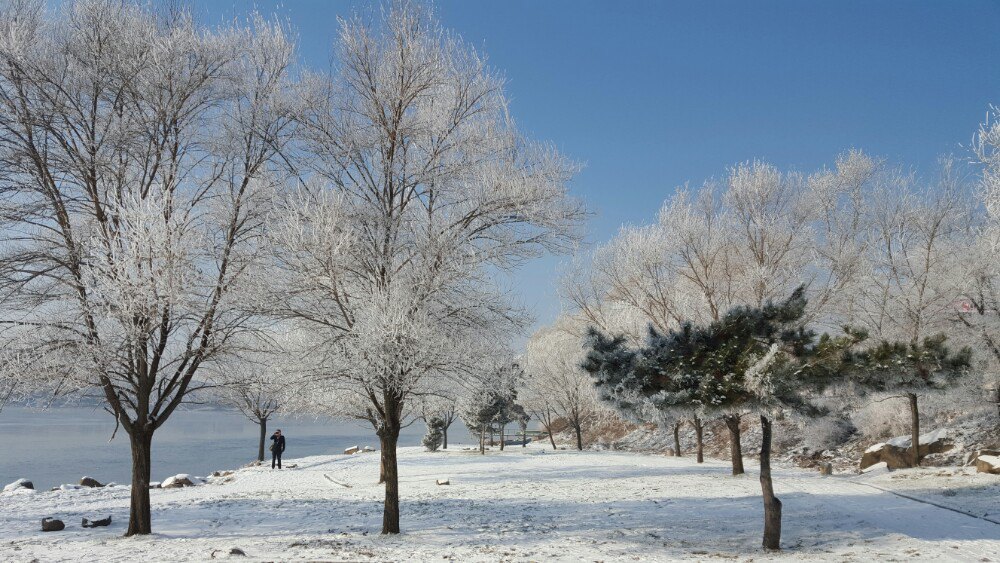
point(435, 434)
point(911, 368)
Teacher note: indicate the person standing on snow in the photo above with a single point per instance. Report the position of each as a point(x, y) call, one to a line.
point(277, 448)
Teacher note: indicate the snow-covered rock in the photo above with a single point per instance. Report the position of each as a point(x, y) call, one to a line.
point(19, 484)
point(352, 450)
point(177, 481)
point(895, 453)
point(988, 463)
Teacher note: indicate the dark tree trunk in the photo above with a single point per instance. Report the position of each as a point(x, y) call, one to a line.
point(548, 428)
point(139, 521)
point(503, 429)
point(482, 440)
point(381, 464)
point(772, 506)
point(698, 437)
point(579, 436)
point(444, 431)
point(390, 513)
point(492, 443)
point(263, 438)
point(524, 436)
point(914, 430)
point(677, 439)
point(735, 448)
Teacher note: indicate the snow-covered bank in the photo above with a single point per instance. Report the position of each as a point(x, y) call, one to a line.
point(522, 504)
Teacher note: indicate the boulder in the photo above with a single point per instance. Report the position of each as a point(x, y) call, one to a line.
point(986, 463)
point(177, 481)
point(19, 484)
point(895, 453)
point(368, 449)
point(351, 450)
point(90, 482)
point(96, 523)
point(51, 525)
point(444, 481)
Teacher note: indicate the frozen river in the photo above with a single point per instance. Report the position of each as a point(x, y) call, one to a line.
point(60, 445)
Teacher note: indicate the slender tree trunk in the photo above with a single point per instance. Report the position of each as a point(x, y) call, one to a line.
point(677, 439)
point(698, 437)
point(263, 438)
point(772, 506)
point(548, 428)
point(482, 440)
point(735, 448)
point(390, 513)
point(503, 430)
point(491, 436)
point(139, 520)
point(445, 432)
point(579, 435)
point(914, 430)
point(524, 436)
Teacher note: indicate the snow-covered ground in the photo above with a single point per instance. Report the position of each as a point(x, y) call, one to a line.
point(519, 505)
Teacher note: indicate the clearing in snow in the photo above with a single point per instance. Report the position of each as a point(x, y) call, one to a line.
point(522, 504)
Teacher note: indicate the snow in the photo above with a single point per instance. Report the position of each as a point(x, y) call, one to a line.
point(561, 506)
point(904, 441)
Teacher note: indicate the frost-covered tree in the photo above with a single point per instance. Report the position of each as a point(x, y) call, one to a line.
point(137, 161)
point(490, 399)
point(556, 387)
point(917, 266)
point(419, 187)
point(979, 309)
point(258, 386)
point(760, 359)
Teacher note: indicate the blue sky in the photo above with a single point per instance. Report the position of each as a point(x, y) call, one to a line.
point(650, 95)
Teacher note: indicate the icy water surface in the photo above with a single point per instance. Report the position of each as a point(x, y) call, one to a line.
point(60, 445)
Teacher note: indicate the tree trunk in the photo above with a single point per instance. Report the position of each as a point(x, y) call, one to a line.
point(482, 440)
point(772, 506)
point(698, 437)
point(524, 436)
point(677, 439)
point(548, 428)
point(491, 436)
point(579, 436)
point(139, 521)
point(263, 438)
point(445, 432)
point(735, 448)
point(503, 430)
point(381, 464)
point(390, 513)
point(914, 430)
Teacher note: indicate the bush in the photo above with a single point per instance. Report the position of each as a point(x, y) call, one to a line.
point(435, 434)
point(827, 432)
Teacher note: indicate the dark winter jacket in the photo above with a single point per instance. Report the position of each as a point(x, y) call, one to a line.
point(279, 444)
